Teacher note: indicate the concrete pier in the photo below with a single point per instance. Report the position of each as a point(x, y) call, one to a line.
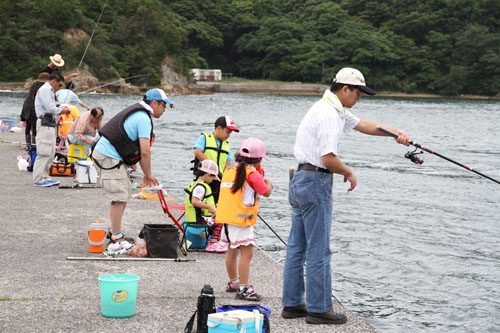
point(42, 291)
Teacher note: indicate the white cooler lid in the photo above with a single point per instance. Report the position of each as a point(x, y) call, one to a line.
point(86, 163)
point(234, 316)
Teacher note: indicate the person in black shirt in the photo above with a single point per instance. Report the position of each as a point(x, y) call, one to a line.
point(57, 61)
point(28, 114)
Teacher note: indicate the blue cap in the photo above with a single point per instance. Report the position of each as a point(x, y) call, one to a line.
point(156, 94)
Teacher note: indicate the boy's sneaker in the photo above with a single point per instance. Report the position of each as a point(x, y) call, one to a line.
point(232, 287)
point(248, 294)
point(128, 239)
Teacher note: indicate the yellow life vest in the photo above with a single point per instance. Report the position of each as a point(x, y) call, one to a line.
point(231, 209)
point(216, 154)
point(195, 214)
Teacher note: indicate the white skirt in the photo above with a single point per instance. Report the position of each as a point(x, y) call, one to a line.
point(238, 236)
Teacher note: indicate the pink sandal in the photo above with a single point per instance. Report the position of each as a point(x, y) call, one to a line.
point(211, 247)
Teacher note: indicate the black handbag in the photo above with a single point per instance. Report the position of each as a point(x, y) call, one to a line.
point(162, 240)
point(48, 120)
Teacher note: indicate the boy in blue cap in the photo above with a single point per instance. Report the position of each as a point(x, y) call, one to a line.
point(115, 148)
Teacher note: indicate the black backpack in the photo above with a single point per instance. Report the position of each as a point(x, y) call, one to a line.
point(206, 306)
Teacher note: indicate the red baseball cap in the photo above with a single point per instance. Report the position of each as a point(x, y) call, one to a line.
point(226, 121)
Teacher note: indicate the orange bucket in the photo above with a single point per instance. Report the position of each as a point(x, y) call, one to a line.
point(97, 237)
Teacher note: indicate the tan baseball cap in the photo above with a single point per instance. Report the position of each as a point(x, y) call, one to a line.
point(352, 77)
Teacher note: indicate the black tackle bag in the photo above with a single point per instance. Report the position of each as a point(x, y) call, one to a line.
point(162, 240)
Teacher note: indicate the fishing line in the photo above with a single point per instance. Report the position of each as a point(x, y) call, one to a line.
point(419, 160)
point(88, 44)
point(91, 36)
point(107, 84)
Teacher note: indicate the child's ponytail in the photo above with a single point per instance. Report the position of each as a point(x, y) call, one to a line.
point(241, 172)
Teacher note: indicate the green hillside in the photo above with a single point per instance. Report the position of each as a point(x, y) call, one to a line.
point(428, 46)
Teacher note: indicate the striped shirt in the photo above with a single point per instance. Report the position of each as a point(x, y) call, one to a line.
point(83, 126)
point(320, 130)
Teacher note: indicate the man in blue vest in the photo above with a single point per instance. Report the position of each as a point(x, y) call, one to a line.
point(126, 140)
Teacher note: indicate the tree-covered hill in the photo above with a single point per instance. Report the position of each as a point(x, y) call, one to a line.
point(436, 46)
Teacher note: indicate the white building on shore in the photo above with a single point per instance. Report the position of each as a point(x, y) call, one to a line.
point(207, 74)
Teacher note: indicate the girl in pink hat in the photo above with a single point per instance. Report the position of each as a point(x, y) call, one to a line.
point(237, 209)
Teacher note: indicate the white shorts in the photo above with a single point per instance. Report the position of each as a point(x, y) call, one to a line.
point(238, 236)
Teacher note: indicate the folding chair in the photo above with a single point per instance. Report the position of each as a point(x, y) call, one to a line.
point(166, 209)
point(173, 207)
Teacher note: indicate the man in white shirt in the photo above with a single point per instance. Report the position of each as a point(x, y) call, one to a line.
point(47, 113)
point(310, 195)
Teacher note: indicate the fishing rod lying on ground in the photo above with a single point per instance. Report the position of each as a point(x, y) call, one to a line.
point(417, 159)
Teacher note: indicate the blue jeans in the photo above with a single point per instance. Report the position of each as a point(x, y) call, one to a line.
point(310, 195)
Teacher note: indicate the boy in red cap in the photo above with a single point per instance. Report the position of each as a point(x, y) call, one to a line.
point(216, 147)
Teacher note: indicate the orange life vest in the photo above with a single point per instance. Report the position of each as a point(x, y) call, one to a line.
point(231, 209)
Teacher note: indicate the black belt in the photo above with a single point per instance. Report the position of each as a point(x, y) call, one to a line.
point(310, 167)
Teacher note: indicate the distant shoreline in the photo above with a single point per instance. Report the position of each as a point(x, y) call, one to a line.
point(312, 89)
point(272, 88)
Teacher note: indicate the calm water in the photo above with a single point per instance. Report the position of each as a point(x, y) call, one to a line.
point(415, 247)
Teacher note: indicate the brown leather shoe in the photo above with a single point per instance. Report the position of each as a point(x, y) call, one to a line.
point(290, 312)
point(330, 318)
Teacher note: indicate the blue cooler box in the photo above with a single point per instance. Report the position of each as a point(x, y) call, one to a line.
point(233, 321)
point(197, 236)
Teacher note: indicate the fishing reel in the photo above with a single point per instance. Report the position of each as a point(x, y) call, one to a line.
point(415, 156)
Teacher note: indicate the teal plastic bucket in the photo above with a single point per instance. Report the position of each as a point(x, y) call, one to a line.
point(118, 295)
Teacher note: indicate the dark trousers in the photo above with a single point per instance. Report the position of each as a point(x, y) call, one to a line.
point(30, 132)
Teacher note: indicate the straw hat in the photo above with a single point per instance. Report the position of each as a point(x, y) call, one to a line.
point(57, 60)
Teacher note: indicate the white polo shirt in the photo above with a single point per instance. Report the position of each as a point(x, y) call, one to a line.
point(320, 130)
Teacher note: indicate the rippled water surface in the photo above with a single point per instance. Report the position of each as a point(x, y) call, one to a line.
point(416, 248)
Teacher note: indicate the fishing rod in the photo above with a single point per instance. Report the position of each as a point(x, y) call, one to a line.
point(85, 52)
point(107, 84)
point(91, 36)
point(417, 159)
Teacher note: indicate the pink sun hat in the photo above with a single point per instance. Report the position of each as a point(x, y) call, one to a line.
point(253, 148)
